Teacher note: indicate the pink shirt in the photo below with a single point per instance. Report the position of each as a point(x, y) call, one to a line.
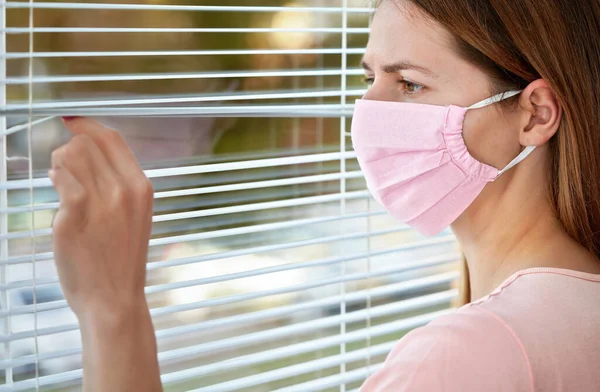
point(539, 331)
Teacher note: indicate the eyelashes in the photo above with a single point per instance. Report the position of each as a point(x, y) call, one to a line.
point(368, 81)
point(408, 86)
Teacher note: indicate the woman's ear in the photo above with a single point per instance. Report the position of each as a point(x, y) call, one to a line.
point(542, 114)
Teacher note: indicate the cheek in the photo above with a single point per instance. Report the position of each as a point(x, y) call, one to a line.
point(490, 138)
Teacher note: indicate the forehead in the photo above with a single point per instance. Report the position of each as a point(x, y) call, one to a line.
point(401, 32)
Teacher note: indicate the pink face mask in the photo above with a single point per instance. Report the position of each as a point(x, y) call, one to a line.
point(416, 163)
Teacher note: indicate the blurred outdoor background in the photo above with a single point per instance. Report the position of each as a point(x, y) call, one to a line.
point(269, 267)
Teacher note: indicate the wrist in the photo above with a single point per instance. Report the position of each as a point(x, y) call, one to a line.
point(105, 318)
point(119, 349)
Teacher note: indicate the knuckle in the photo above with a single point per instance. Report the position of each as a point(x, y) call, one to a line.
point(119, 195)
point(112, 136)
point(77, 197)
point(70, 150)
point(58, 154)
point(149, 187)
point(143, 188)
point(76, 146)
point(59, 229)
point(62, 228)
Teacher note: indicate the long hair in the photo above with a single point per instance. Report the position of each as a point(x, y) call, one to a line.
point(517, 42)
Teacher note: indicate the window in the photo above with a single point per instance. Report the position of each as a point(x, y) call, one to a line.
point(270, 268)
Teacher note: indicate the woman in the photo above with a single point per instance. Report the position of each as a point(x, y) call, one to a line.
point(517, 176)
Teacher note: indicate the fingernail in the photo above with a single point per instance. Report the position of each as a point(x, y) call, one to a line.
point(69, 118)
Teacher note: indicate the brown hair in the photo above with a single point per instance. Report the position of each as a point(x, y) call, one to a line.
point(517, 42)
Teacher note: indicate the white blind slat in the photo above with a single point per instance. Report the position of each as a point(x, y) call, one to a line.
point(38, 30)
point(180, 76)
point(241, 52)
point(174, 100)
point(280, 111)
point(202, 8)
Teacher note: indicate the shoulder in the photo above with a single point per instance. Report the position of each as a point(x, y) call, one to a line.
point(468, 350)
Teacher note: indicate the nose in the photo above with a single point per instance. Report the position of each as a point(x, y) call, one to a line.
point(378, 92)
point(370, 94)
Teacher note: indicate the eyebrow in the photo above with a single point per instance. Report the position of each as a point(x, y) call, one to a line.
point(401, 66)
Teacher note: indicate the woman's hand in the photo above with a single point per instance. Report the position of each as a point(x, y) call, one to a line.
point(100, 237)
point(103, 225)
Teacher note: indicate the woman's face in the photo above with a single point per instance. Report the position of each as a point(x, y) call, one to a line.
point(411, 59)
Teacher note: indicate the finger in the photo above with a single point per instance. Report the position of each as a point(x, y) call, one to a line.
point(72, 211)
point(102, 172)
point(72, 195)
point(111, 143)
point(74, 157)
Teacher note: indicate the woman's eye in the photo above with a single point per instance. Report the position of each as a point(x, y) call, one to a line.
point(408, 87)
point(412, 88)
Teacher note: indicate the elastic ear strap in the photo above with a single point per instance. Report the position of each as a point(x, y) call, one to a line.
point(494, 99)
point(524, 154)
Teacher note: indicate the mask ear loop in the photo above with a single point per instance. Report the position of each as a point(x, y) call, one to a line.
point(494, 99)
point(524, 154)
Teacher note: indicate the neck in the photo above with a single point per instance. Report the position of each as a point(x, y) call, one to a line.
point(512, 226)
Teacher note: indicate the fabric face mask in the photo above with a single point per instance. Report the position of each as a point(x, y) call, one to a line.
point(416, 163)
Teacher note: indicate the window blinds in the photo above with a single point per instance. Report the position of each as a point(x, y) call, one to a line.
point(270, 268)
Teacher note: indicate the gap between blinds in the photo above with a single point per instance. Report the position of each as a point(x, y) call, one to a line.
point(434, 286)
